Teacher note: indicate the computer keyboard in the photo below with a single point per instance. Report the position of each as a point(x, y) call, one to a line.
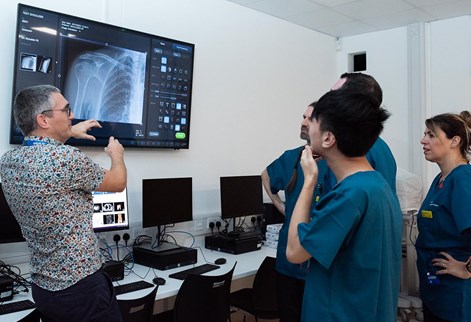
point(11, 307)
point(197, 270)
point(131, 287)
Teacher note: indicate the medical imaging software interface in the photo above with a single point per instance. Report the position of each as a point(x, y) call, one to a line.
point(110, 210)
point(137, 85)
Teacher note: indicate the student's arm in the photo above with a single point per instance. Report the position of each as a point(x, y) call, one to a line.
point(115, 179)
point(275, 198)
point(295, 252)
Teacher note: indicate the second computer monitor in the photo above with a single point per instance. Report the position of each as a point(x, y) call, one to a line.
point(10, 230)
point(166, 201)
point(110, 211)
point(241, 196)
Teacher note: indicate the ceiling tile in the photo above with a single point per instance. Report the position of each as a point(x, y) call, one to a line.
point(450, 9)
point(283, 8)
point(402, 18)
point(332, 3)
point(372, 8)
point(340, 18)
point(347, 29)
point(427, 3)
point(243, 2)
point(322, 17)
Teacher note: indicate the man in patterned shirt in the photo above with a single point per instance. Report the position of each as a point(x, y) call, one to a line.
point(48, 186)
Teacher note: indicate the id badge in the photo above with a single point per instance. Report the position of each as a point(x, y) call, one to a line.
point(432, 279)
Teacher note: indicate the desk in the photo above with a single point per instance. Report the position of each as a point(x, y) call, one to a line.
point(247, 266)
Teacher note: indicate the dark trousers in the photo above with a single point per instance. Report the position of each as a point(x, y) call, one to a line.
point(290, 292)
point(90, 299)
point(430, 317)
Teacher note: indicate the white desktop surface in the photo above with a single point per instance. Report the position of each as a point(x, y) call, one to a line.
point(247, 265)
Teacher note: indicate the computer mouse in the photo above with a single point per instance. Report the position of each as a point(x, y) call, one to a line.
point(220, 261)
point(159, 281)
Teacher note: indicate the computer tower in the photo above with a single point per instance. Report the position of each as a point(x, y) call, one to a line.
point(233, 244)
point(166, 258)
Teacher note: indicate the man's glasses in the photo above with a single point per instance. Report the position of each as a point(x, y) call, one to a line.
point(66, 109)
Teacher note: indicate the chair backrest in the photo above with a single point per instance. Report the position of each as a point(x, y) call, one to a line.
point(34, 316)
point(138, 310)
point(264, 287)
point(204, 298)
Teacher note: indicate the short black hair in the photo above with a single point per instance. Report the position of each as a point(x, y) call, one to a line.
point(363, 83)
point(354, 117)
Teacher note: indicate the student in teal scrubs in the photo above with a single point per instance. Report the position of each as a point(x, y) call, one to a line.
point(444, 221)
point(354, 238)
point(285, 174)
point(379, 156)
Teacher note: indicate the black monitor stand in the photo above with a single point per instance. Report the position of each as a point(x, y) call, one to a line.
point(162, 246)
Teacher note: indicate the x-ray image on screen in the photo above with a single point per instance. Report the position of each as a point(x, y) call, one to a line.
point(106, 84)
point(28, 62)
point(137, 85)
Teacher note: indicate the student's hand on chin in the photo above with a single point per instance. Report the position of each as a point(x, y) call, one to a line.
point(308, 163)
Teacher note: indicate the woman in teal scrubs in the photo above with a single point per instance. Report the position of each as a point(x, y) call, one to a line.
point(444, 221)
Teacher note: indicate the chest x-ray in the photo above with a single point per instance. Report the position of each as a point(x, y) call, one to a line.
point(107, 85)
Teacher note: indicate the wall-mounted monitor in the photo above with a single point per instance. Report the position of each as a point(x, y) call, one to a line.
point(241, 196)
point(110, 211)
point(10, 231)
point(166, 201)
point(137, 85)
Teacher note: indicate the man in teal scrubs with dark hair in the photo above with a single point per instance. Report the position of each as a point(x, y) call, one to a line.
point(285, 174)
point(354, 237)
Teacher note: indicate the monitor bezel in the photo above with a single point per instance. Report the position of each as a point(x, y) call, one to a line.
point(150, 218)
point(99, 229)
point(231, 189)
point(16, 137)
point(9, 216)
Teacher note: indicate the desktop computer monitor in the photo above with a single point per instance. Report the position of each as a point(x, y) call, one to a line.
point(166, 202)
point(110, 211)
point(10, 231)
point(241, 196)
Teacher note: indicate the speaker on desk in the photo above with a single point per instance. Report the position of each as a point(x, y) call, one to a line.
point(271, 215)
point(114, 269)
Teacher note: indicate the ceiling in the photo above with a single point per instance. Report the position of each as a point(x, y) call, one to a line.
point(341, 18)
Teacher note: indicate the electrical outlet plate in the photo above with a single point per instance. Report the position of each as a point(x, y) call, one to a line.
point(213, 220)
point(199, 224)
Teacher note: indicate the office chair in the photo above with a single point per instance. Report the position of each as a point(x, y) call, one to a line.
point(202, 298)
point(34, 316)
point(261, 299)
point(138, 310)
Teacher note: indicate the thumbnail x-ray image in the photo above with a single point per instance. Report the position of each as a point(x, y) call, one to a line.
point(35, 63)
point(107, 84)
point(28, 62)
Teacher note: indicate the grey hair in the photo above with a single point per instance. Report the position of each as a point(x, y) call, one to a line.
point(31, 102)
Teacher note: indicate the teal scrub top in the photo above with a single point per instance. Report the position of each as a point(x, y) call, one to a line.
point(280, 172)
point(381, 159)
point(444, 214)
point(354, 238)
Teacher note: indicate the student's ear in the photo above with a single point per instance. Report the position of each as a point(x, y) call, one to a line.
point(455, 141)
point(328, 139)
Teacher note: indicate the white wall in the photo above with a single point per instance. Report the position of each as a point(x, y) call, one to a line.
point(253, 77)
point(447, 73)
point(386, 53)
point(450, 70)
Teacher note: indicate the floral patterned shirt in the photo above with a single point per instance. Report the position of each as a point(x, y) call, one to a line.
point(48, 186)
